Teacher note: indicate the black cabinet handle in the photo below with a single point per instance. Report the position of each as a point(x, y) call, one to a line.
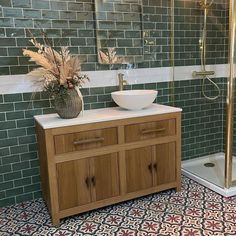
point(93, 179)
point(155, 166)
point(150, 167)
point(87, 182)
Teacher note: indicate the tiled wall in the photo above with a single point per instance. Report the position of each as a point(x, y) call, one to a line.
point(71, 22)
point(189, 19)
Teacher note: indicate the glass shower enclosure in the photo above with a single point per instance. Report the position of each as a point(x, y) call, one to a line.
point(204, 74)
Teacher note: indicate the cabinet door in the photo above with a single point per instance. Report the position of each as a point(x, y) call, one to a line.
point(165, 164)
point(139, 169)
point(73, 183)
point(105, 176)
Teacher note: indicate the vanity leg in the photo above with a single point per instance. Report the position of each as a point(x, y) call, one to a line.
point(55, 221)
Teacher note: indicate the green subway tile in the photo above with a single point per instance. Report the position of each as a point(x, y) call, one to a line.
point(12, 12)
point(3, 51)
point(16, 132)
point(3, 134)
point(2, 194)
point(55, 5)
point(23, 23)
point(75, 6)
point(86, 33)
point(14, 51)
point(31, 96)
point(138, 86)
point(87, 107)
point(90, 99)
point(30, 13)
point(20, 166)
point(33, 147)
point(48, 110)
point(37, 194)
point(1, 98)
point(24, 123)
point(31, 188)
point(49, 14)
point(111, 89)
point(41, 104)
point(10, 159)
point(22, 182)
point(19, 149)
point(104, 98)
point(30, 131)
point(7, 201)
point(150, 86)
point(7, 125)
point(40, 4)
point(30, 172)
point(6, 185)
point(94, 91)
point(21, 3)
point(5, 3)
point(34, 163)
point(5, 169)
point(8, 142)
point(29, 156)
point(97, 105)
point(6, 22)
point(68, 15)
point(15, 115)
point(23, 105)
point(42, 23)
point(69, 33)
point(12, 97)
point(60, 24)
point(36, 179)
point(4, 152)
point(7, 61)
point(88, 67)
point(24, 197)
point(14, 192)
point(27, 139)
point(12, 176)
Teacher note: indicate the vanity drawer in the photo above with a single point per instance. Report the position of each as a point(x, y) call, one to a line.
point(85, 140)
point(149, 130)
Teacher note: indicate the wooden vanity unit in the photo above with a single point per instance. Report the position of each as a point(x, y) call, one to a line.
point(107, 156)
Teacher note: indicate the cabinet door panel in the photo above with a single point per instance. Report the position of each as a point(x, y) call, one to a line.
point(105, 171)
point(138, 169)
point(73, 189)
point(165, 163)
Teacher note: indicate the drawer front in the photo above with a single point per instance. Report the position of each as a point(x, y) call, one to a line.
point(85, 140)
point(149, 130)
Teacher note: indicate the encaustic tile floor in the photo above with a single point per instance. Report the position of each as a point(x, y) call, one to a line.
point(194, 211)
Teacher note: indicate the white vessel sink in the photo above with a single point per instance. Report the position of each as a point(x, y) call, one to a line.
point(134, 99)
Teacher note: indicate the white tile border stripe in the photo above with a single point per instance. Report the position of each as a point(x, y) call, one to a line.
point(10, 84)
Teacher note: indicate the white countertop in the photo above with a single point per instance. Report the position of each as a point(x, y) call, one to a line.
point(105, 114)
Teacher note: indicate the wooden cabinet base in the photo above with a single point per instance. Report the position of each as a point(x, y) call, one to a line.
point(87, 166)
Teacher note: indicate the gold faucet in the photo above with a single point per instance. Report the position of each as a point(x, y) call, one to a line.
point(122, 81)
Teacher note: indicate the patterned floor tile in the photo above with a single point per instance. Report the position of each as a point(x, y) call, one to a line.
point(194, 211)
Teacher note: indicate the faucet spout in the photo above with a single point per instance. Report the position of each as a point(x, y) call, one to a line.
point(122, 81)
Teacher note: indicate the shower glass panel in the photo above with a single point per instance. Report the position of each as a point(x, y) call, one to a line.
point(201, 51)
point(232, 164)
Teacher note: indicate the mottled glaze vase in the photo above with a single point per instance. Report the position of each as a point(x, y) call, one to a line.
point(70, 106)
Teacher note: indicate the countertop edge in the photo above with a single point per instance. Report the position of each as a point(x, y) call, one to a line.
point(50, 121)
